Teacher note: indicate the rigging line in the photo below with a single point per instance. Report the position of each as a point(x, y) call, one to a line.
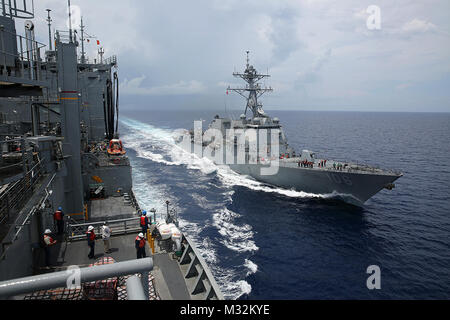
point(116, 80)
point(105, 116)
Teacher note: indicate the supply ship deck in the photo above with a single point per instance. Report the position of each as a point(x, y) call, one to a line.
point(170, 275)
point(60, 147)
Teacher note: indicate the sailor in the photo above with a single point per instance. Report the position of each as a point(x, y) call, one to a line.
point(140, 246)
point(48, 242)
point(106, 234)
point(144, 223)
point(91, 241)
point(58, 217)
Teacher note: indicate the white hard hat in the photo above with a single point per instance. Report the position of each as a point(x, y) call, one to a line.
point(90, 228)
point(141, 235)
point(47, 231)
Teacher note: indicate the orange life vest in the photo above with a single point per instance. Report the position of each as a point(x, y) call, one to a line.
point(143, 221)
point(48, 240)
point(141, 242)
point(58, 215)
point(91, 235)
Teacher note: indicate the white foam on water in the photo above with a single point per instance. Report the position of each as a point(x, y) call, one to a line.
point(149, 142)
point(147, 194)
point(253, 267)
point(158, 145)
point(235, 237)
point(231, 178)
point(231, 287)
point(243, 288)
point(163, 139)
point(225, 277)
point(205, 246)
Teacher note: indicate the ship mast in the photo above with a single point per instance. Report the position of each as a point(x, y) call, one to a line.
point(84, 37)
point(252, 77)
point(70, 23)
point(49, 21)
point(83, 53)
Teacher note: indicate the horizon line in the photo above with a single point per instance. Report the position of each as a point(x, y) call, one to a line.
point(299, 110)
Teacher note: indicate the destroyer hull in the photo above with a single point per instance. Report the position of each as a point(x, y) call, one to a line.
point(359, 186)
point(353, 186)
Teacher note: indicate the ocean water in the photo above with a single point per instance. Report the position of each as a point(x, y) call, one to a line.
point(263, 242)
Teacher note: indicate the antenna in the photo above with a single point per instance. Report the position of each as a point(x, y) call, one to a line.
point(49, 20)
point(225, 103)
point(84, 37)
point(70, 22)
point(101, 52)
point(83, 54)
point(247, 58)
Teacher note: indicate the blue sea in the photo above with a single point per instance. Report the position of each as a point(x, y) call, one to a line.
point(263, 242)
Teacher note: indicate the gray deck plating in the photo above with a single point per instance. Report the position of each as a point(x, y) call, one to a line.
point(169, 276)
point(170, 282)
point(76, 253)
point(110, 208)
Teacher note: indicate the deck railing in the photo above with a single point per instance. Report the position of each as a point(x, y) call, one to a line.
point(119, 226)
point(204, 283)
point(24, 61)
point(17, 8)
point(16, 194)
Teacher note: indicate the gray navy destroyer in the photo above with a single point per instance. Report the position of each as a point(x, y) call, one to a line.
point(60, 148)
point(304, 171)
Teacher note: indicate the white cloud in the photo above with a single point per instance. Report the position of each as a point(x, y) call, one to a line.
point(312, 74)
point(418, 26)
point(136, 86)
point(206, 40)
point(361, 14)
point(403, 86)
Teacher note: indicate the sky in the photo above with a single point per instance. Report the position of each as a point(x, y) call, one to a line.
point(321, 54)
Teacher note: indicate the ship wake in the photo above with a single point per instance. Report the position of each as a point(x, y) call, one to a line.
point(157, 145)
point(231, 232)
